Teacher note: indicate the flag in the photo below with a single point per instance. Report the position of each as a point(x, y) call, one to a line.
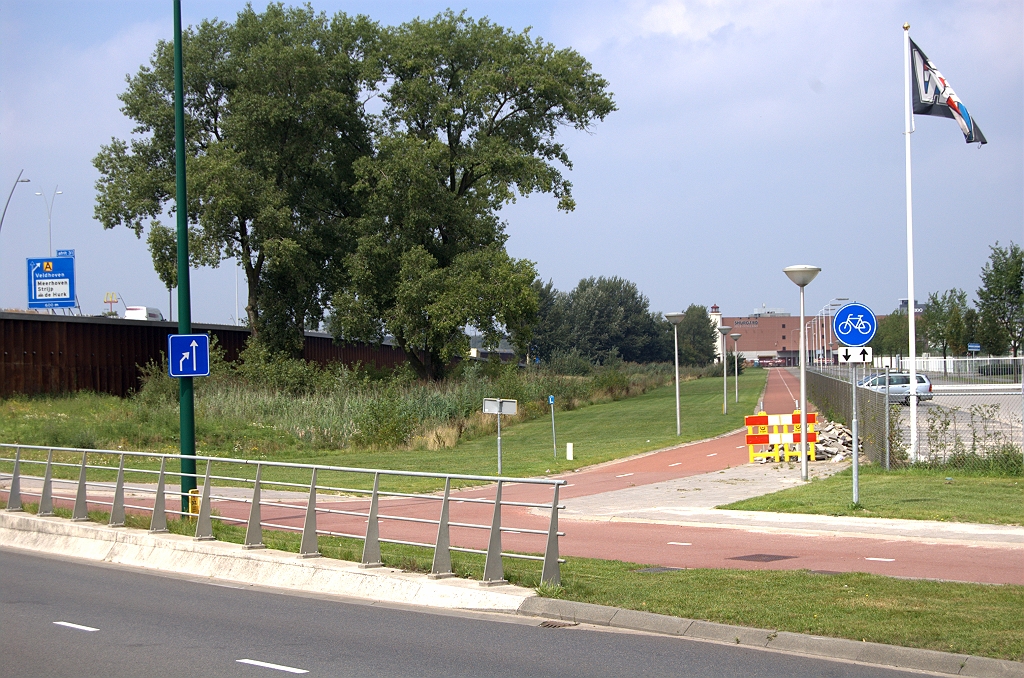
point(933, 95)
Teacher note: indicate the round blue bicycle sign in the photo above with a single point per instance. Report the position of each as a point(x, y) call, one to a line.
point(854, 324)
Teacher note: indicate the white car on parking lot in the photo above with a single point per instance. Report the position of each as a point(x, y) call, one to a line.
point(899, 386)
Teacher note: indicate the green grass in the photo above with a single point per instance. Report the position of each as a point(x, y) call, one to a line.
point(977, 619)
point(915, 493)
point(599, 432)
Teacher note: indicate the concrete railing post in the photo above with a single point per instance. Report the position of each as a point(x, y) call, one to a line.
point(254, 529)
point(308, 547)
point(46, 499)
point(204, 523)
point(442, 566)
point(371, 544)
point(117, 508)
point(158, 523)
point(81, 511)
point(494, 572)
point(551, 574)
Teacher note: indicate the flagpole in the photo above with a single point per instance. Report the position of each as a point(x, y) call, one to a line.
point(908, 129)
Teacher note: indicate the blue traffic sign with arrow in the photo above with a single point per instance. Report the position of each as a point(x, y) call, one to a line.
point(188, 355)
point(854, 324)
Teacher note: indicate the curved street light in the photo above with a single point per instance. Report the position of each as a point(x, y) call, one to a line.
point(802, 275)
point(724, 329)
point(675, 319)
point(736, 362)
point(49, 214)
point(17, 181)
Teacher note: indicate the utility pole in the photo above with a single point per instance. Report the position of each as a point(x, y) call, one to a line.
point(186, 394)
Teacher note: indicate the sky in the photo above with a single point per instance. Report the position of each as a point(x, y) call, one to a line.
point(749, 136)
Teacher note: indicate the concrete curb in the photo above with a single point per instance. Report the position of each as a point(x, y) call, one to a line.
point(262, 567)
point(816, 646)
point(230, 562)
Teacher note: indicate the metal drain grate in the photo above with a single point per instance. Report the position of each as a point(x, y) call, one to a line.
point(555, 624)
point(762, 557)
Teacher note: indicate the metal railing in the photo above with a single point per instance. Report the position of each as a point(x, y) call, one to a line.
point(371, 555)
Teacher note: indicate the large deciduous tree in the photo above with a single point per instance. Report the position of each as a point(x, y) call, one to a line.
point(1001, 295)
point(943, 322)
point(698, 337)
point(273, 124)
point(470, 120)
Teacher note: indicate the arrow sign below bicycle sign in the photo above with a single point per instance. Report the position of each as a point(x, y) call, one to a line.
point(854, 355)
point(854, 324)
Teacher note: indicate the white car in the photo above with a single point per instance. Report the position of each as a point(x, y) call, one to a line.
point(899, 386)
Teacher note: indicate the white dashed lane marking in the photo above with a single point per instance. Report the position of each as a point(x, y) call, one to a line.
point(676, 464)
point(77, 627)
point(624, 475)
point(713, 454)
point(882, 560)
point(679, 543)
point(268, 665)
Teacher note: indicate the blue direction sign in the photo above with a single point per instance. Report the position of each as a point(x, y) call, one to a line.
point(51, 282)
point(854, 324)
point(188, 355)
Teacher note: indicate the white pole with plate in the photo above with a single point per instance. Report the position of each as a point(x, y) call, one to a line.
point(500, 406)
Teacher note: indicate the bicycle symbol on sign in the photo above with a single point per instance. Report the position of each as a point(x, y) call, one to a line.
point(855, 322)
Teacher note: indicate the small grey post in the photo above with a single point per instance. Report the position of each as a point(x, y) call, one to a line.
point(442, 566)
point(494, 573)
point(254, 529)
point(159, 521)
point(117, 508)
point(551, 573)
point(14, 494)
point(554, 441)
point(204, 524)
point(887, 419)
point(309, 547)
point(81, 511)
point(499, 437)
point(371, 544)
point(856, 439)
point(46, 500)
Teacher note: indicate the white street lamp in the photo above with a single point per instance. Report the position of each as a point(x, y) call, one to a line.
point(724, 329)
point(736, 362)
point(17, 181)
point(49, 213)
point(802, 275)
point(675, 319)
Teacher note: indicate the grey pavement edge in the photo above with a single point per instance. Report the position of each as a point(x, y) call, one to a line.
point(221, 560)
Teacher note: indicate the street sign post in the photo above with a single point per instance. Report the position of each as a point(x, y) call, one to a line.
point(554, 442)
point(51, 282)
point(855, 325)
point(188, 355)
point(500, 406)
point(854, 355)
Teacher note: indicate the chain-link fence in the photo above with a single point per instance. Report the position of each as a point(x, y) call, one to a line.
point(832, 395)
point(954, 419)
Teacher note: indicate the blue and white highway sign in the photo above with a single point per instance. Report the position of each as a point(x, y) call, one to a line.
point(188, 355)
point(551, 400)
point(51, 282)
point(973, 348)
point(854, 324)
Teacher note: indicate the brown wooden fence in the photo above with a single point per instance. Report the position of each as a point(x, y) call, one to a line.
point(58, 354)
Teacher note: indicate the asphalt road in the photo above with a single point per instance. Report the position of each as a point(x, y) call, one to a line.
point(68, 618)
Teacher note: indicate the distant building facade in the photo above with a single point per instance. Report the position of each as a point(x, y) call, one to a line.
point(767, 335)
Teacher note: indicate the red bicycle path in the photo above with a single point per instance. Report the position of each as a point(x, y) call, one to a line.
point(659, 543)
